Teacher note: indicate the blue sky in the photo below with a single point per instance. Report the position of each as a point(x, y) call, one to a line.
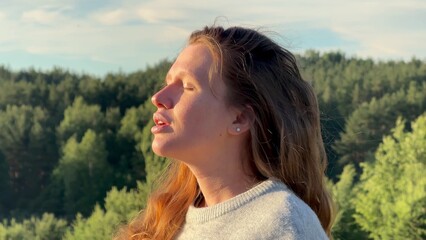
point(101, 36)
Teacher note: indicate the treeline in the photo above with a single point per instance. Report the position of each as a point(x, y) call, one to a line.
point(75, 157)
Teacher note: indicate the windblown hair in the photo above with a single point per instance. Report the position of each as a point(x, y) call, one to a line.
point(285, 137)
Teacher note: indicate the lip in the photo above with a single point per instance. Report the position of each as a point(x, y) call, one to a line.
point(160, 120)
point(162, 124)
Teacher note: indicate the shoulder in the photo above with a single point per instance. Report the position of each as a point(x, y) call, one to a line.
point(286, 214)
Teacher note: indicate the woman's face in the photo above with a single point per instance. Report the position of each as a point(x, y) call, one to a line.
point(191, 121)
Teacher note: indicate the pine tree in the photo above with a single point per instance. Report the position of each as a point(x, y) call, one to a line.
point(84, 172)
point(392, 197)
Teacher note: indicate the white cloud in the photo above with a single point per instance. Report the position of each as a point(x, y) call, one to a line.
point(46, 15)
point(372, 25)
point(159, 15)
point(39, 16)
point(172, 34)
point(113, 17)
point(125, 31)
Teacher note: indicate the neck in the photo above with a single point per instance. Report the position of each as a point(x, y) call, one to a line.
point(222, 173)
point(218, 187)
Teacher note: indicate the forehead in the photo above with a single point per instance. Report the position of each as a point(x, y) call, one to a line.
point(195, 59)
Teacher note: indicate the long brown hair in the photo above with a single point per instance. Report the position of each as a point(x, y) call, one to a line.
point(285, 140)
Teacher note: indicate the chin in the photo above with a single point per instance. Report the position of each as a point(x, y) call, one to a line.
point(159, 149)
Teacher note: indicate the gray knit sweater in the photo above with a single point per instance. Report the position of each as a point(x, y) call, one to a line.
point(270, 210)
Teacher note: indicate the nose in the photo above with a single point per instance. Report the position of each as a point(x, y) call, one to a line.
point(160, 100)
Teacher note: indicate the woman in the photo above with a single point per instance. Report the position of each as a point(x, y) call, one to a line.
point(243, 130)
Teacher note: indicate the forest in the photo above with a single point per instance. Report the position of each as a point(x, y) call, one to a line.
point(76, 162)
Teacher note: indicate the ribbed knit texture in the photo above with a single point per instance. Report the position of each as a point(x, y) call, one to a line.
point(269, 210)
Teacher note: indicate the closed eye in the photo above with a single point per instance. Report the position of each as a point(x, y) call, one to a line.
point(188, 87)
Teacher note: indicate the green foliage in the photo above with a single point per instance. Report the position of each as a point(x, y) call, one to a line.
point(27, 146)
point(133, 122)
point(97, 226)
point(126, 91)
point(336, 78)
point(45, 228)
point(344, 191)
point(392, 197)
point(126, 203)
point(25, 88)
point(84, 172)
point(78, 118)
point(5, 191)
point(120, 206)
point(344, 85)
point(368, 123)
point(130, 136)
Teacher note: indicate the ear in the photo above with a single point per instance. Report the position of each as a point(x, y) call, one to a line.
point(243, 120)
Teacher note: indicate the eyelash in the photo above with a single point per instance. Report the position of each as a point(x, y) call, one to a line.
point(188, 88)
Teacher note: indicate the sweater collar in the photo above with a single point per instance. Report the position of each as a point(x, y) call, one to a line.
point(205, 214)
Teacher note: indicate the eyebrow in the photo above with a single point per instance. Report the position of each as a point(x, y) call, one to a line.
point(180, 74)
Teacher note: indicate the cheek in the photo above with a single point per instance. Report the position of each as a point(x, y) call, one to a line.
point(199, 116)
point(194, 115)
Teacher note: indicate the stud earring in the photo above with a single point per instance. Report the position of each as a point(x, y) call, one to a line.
point(238, 129)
